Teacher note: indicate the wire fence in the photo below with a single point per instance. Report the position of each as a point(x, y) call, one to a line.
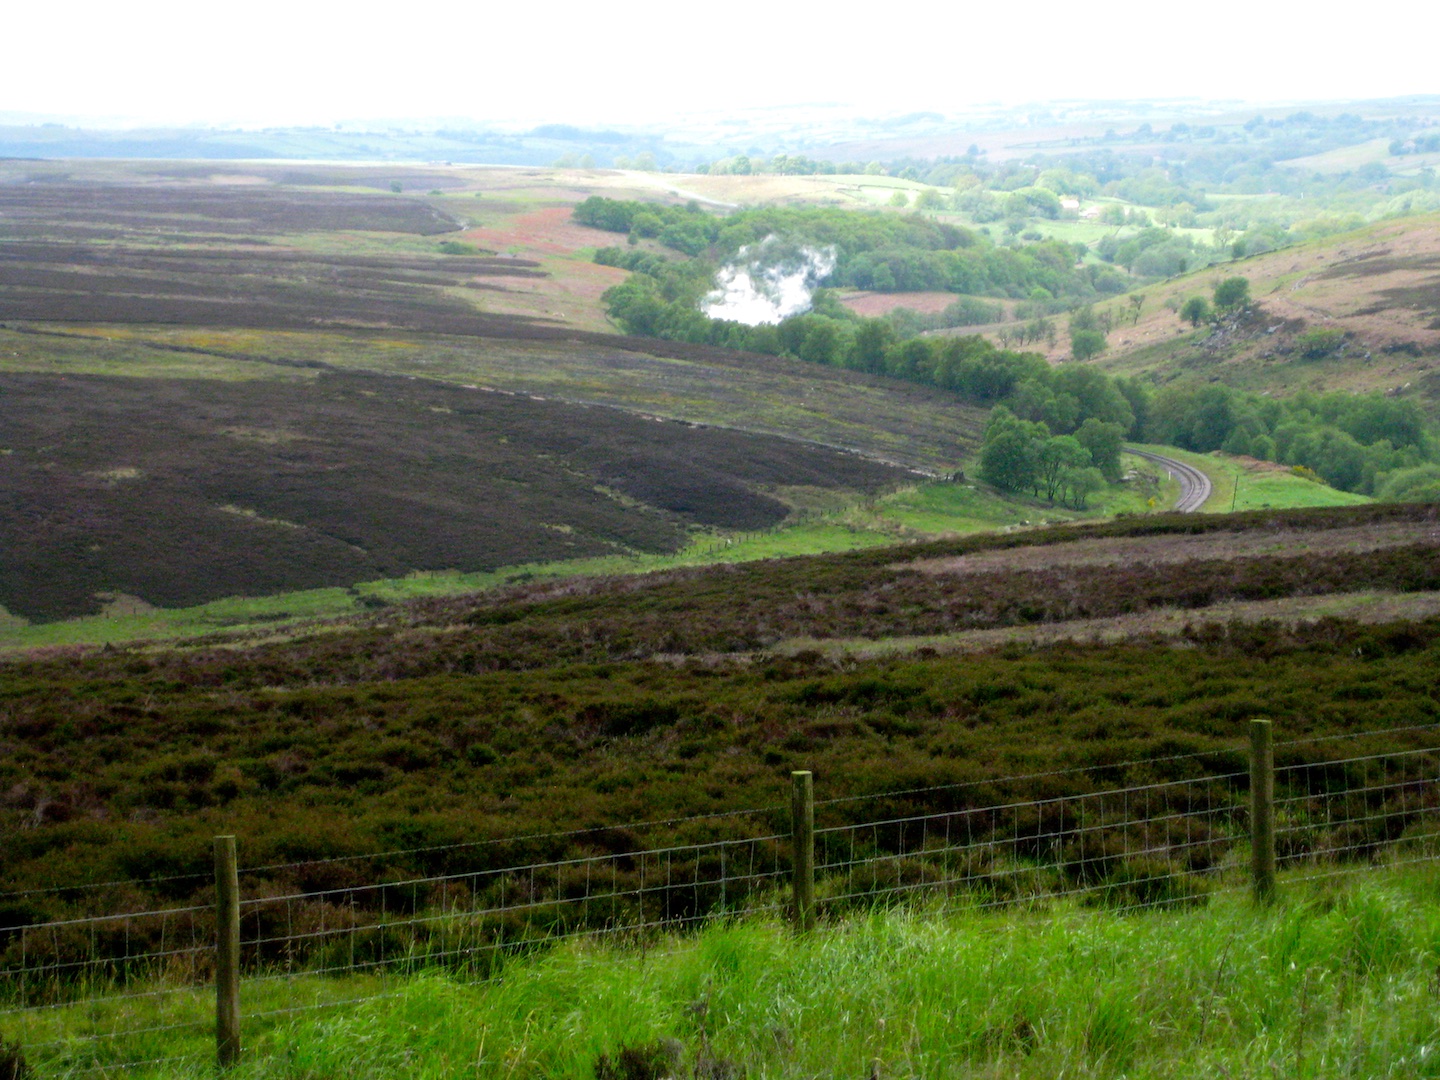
point(133, 991)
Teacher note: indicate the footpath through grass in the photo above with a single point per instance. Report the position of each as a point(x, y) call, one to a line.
point(1337, 980)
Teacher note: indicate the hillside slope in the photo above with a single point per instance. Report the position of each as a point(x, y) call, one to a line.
point(217, 384)
point(183, 491)
point(578, 703)
point(1379, 287)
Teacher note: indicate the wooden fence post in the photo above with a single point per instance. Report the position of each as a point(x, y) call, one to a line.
point(1262, 811)
point(802, 819)
point(227, 953)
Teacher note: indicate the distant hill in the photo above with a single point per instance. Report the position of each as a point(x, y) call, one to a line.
point(1377, 288)
point(216, 386)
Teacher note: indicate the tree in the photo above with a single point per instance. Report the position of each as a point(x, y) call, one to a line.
point(929, 199)
point(1196, 310)
point(1079, 484)
point(872, 338)
point(1057, 455)
point(1086, 344)
point(1137, 303)
point(1232, 294)
point(1104, 441)
point(1009, 458)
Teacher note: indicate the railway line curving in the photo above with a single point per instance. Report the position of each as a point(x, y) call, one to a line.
point(1195, 486)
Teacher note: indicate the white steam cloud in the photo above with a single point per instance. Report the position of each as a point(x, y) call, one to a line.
point(768, 282)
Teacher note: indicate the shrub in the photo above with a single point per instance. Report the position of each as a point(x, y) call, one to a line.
point(646, 1061)
point(1421, 484)
point(1319, 342)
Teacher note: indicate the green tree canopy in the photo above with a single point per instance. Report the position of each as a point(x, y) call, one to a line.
point(1010, 456)
point(1104, 441)
point(1195, 310)
point(1086, 344)
point(1232, 294)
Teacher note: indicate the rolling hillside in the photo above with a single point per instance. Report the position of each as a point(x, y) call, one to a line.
point(1378, 287)
point(571, 704)
point(221, 384)
point(256, 379)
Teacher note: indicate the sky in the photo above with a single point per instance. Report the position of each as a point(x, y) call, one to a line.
point(635, 63)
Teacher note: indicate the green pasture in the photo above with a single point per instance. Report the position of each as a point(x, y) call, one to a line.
point(1345, 158)
point(1336, 980)
point(1241, 484)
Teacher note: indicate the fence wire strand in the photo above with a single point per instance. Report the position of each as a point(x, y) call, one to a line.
point(1140, 846)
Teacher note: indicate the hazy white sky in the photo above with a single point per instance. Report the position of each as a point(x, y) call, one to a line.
point(298, 61)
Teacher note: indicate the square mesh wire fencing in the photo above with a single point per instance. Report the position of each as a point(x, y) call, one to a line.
point(101, 990)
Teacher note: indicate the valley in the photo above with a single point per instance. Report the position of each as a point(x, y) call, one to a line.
point(340, 514)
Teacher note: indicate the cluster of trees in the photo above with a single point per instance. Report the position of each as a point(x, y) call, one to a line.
point(1023, 455)
point(686, 228)
point(1355, 442)
point(1155, 252)
point(1428, 143)
point(1230, 296)
point(878, 251)
point(1178, 175)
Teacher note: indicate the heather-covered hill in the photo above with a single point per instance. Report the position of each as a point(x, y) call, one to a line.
point(180, 491)
point(583, 704)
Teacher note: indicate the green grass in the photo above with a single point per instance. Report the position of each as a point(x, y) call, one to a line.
point(114, 352)
point(1336, 980)
point(1242, 484)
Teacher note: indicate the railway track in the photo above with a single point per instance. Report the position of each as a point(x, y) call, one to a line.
point(1195, 486)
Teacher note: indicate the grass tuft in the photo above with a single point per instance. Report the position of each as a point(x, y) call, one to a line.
point(1336, 979)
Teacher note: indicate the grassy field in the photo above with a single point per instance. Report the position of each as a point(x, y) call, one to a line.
point(1247, 484)
point(1336, 980)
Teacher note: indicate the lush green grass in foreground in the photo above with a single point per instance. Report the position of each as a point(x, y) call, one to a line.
point(1337, 980)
